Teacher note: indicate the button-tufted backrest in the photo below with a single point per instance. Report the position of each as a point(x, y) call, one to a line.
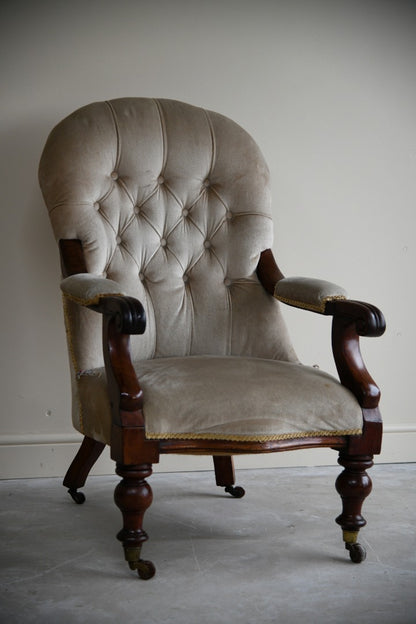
point(171, 201)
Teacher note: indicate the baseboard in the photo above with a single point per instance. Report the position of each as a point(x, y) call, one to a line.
point(49, 455)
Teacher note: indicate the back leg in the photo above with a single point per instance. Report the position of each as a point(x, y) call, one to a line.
point(84, 460)
point(225, 475)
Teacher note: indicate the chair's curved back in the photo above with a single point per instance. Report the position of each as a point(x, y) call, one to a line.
point(171, 201)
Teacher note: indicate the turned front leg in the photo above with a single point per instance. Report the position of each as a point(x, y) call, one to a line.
point(133, 495)
point(353, 485)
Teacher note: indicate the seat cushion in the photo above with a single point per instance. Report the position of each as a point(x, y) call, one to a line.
point(228, 398)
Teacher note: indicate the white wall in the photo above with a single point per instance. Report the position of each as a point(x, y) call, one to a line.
point(328, 91)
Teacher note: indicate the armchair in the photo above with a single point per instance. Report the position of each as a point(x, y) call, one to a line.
point(172, 304)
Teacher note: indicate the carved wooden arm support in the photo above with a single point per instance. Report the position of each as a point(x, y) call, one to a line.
point(123, 316)
point(351, 319)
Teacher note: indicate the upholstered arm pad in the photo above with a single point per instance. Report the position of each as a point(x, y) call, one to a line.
point(308, 293)
point(105, 296)
point(87, 289)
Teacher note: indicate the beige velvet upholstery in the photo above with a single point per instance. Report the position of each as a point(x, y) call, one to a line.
point(171, 203)
point(308, 293)
point(202, 403)
point(87, 289)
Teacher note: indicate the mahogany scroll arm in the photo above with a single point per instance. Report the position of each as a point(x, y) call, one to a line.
point(123, 316)
point(352, 319)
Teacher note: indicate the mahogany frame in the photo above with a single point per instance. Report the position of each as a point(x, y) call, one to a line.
point(134, 455)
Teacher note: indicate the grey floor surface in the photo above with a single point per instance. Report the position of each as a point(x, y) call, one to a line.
point(275, 555)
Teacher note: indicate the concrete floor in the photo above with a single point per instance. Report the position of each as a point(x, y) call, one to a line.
point(275, 555)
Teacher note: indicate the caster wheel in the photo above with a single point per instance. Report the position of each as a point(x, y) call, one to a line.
point(357, 552)
point(146, 570)
point(235, 491)
point(78, 497)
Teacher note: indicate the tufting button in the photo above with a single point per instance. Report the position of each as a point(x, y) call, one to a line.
point(229, 215)
point(136, 210)
point(118, 240)
point(141, 276)
point(206, 183)
point(185, 278)
point(160, 179)
point(163, 242)
point(114, 175)
point(97, 206)
point(185, 212)
point(227, 282)
point(207, 244)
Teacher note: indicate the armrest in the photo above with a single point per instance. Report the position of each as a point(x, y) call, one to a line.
point(368, 320)
point(329, 299)
point(308, 293)
point(351, 319)
point(123, 316)
point(106, 296)
point(87, 289)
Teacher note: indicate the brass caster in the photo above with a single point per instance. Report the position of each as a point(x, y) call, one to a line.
point(145, 569)
point(235, 491)
point(78, 497)
point(357, 552)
